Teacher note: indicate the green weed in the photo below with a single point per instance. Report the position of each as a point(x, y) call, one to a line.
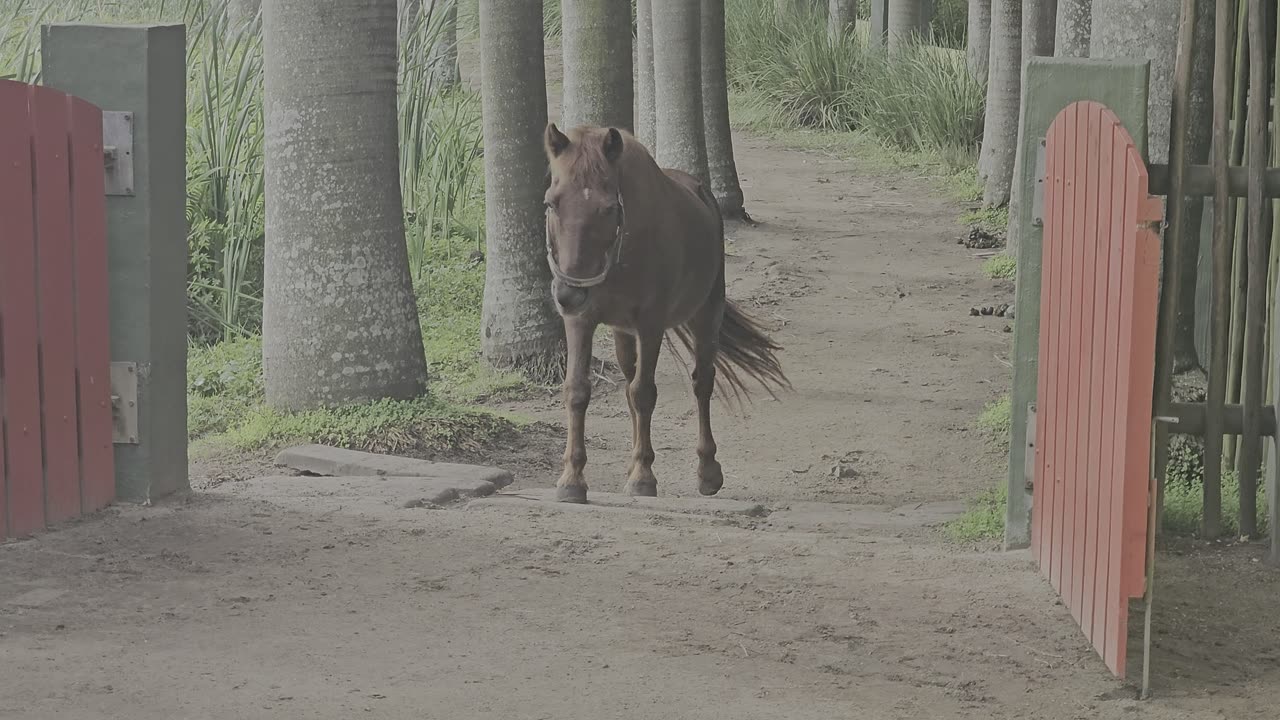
point(1000, 267)
point(995, 421)
point(993, 220)
point(984, 520)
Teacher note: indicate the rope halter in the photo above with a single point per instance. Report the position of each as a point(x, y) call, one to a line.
point(611, 257)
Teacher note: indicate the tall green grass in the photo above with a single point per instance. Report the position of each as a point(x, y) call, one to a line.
point(922, 100)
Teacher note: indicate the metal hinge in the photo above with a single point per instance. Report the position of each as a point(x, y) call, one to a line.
point(124, 403)
point(117, 151)
point(1029, 459)
point(1037, 197)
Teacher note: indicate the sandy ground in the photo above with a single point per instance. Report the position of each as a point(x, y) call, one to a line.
point(835, 598)
point(823, 595)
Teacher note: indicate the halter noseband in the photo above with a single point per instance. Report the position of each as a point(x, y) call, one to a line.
point(611, 257)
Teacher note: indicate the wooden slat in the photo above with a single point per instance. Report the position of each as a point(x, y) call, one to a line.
point(18, 323)
point(54, 259)
point(93, 351)
point(1096, 369)
point(1091, 355)
point(1069, 353)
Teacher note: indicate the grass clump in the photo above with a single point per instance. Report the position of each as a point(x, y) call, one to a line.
point(993, 220)
point(921, 100)
point(1000, 267)
point(425, 424)
point(995, 421)
point(983, 521)
point(224, 384)
point(1184, 492)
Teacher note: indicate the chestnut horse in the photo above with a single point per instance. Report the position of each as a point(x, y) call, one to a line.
point(641, 249)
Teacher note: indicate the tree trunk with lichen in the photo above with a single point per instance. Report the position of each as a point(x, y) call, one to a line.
point(842, 17)
point(978, 42)
point(1074, 27)
point(715, 112)
point(677, 72)
point(340, 322)
point(904, 24)
point(1004, 94)
point(596, 42)
point(519, 325)
point(646, 112)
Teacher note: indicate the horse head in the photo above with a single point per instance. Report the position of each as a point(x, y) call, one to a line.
point(584, 209)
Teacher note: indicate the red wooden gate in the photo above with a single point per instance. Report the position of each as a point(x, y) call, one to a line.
point(1092, 480)
point(55, 398)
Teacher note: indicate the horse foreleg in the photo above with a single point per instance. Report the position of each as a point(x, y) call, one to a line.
point(572, 486)
point(624, 346)
point(642, 393)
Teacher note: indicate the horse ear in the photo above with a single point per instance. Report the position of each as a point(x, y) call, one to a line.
point(555, 141)
point(612, 145)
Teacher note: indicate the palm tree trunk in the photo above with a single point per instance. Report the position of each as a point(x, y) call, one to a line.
point(340, 322)
point(241, 12)
point(1199, 143)
point(1074, 26)
point(715, 112)
point(646, 112)
point(596, 41)
point(904, 24)
point(519, 325)
point(1142, 29)
point(444, 52)
point(1004, 94)
point(842, 17)
point(677, 71)
point(1038, 17)
point(978, 45)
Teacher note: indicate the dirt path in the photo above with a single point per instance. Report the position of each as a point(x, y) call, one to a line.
point(834, 598)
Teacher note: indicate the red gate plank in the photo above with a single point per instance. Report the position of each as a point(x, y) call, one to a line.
point(18, 323)
point(93, 351)
point(1096, 368)
point(56, 310)
point(1086, 500)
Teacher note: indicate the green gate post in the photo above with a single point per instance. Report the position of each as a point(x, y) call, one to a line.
point(1051, 84)
point(141, 69)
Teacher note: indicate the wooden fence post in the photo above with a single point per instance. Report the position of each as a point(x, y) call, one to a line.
point(141, 70)
point(1051, 84)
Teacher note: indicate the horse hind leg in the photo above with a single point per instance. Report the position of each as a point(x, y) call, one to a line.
point(705, 329)
point(642, 394)
point(624, 347)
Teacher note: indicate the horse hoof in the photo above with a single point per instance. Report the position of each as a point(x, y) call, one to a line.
point(642, 489)
point(572, 494)
point(710, 479)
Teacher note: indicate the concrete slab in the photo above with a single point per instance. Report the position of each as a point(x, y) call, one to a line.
point(378, 491)
point(335, 462)
point(681, 505)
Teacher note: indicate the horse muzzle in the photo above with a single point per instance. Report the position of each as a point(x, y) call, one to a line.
point(570, 299)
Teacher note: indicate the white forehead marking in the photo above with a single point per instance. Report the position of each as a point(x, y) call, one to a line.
point(586, 193)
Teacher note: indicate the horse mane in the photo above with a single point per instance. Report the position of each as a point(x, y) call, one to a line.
point(584, 160)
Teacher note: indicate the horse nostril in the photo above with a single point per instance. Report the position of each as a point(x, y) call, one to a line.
point(570, 298)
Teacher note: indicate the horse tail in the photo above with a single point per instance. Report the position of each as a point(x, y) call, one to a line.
point(745, 346)
point(742, 344)
point(743, 349)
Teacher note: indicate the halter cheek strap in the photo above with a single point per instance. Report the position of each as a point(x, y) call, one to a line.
point(610, 259)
